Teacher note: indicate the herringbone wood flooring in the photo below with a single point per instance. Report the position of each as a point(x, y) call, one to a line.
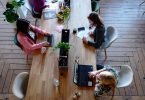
point(129, 48)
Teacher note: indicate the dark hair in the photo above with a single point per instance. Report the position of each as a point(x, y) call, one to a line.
point(95, 18)
point(23, 26)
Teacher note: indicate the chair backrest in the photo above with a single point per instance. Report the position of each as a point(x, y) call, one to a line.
point(20, 85)
point(125, 76)
point(23, 10)
point(16, 41)
point(95, 5)
point(110, 37)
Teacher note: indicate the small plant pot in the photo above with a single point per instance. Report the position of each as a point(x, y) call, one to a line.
point(60, 21)
point(11, 17)
point(63, 54)
point(63, 58)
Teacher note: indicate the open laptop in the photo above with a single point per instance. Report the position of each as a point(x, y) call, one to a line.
point(49, 14)
point(81, 77)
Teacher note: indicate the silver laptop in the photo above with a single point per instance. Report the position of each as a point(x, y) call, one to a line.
point(49, 14)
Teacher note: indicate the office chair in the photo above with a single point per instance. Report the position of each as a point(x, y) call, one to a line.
point(23, 10)
point(95, 4)
point(110, 37)
point(19, 45)
point(141, 5)
point(125, 76)
point(20, 83)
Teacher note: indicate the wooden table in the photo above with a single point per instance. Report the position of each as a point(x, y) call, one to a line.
point(45, 69)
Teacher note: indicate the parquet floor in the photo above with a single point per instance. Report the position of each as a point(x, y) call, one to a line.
point(129, 48)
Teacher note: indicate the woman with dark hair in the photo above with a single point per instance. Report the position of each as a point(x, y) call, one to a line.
point(98, 33)
point(26, 43)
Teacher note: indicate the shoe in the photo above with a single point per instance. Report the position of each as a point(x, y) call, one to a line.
point(53, 1)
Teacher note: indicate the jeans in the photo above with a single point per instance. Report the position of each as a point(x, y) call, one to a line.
point(98, 66)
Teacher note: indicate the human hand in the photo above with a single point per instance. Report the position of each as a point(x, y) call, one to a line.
point(91, 34)
point(46, 44)
point(60, 5)
point(48, 34)
point(85, 40)
point(92, 74)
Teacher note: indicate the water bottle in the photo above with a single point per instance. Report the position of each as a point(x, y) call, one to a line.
point(56, 82)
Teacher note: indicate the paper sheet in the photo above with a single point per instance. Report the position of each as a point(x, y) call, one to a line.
point(85, 33)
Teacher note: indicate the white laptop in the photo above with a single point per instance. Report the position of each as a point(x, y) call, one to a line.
point(49, 14)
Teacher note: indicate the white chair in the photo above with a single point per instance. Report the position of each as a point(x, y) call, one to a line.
point(125, 76)
point(110, 37)
point(20, 85)
point(23, 10)
point(95, 5)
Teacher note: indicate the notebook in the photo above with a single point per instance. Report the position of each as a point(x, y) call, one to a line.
point(84, 32)
point(81, 77)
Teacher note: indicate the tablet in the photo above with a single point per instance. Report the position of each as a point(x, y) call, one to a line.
point(50, 39)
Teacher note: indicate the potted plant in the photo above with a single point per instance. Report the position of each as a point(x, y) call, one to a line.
point(64, 48)
point(63, 54)
point(63, 15)
point(10, 13)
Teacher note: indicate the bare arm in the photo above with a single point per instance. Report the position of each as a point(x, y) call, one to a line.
point(39, 30)
point(94, 73)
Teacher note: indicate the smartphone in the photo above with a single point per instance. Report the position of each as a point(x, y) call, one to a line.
point(50, 39)
point(81, 29)
point(65, 35)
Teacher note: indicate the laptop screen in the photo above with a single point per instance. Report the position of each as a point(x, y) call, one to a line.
point(49, 14)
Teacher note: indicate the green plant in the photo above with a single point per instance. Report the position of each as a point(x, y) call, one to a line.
point(63, 45)
point(11, 10)
point(64, 13)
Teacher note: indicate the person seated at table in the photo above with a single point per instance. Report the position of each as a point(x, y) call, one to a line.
point(37, 7)
point(67, 3)
point(98, 33)
point(106, 79)
point(26, 42)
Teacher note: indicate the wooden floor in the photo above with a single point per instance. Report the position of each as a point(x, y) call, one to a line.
point(129, 48)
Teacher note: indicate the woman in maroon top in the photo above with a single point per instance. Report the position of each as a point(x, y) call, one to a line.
point(37, 7)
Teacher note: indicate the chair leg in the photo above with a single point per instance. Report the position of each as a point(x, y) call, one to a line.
point(105, 53)
point(99, 11)
point(27, 58)
point(36, 21)
point(143, 13)
point(141, 3)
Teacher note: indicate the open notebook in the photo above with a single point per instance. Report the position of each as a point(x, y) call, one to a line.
point(84, 32)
